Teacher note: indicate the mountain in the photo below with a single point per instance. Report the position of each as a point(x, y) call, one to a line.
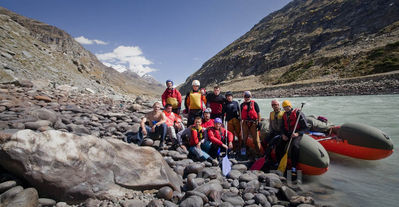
point(308, 40)
point(35, 51)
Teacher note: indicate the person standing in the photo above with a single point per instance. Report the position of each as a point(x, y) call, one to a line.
point(289, 119)
point(172, 96)
point(156, 125)
point(250, 117)
point(194, 103)
point(215, 101)
point(232, 111)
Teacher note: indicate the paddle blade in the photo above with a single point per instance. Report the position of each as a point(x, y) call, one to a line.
point(283, 163)
point(258, 164)
point(226, 166)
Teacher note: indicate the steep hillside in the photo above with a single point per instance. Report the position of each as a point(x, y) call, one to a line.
point(309, 40)
point(46, 55)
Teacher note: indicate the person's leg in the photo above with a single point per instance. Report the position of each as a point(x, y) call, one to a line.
point(162, 131)
point(245, 133)
point(172, 134)
point(255, 137)
point(295, 151)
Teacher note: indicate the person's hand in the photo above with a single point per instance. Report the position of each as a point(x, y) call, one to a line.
point(294, 135)
point(198, 145)
point(230, 145)
point(144, 132)
point(225, 146)
point(285, 138)
point(153, 128)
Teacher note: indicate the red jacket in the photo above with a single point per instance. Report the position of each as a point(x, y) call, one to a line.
point(173, 94)
point(196, 136)
point(208, 124)
point(215, 136)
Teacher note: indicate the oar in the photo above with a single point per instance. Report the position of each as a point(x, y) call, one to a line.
point(283, 162)
point(226, 165)
point(327, 138)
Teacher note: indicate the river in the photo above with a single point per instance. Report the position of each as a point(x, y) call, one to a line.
point(349, 181)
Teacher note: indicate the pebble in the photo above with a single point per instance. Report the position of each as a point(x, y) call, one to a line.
point(7, 185)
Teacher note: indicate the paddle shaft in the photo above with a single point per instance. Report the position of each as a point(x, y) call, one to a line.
point(289, 143)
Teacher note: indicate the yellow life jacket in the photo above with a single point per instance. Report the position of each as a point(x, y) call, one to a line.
point(172, 101)
point(195, 100)
point(276, 124)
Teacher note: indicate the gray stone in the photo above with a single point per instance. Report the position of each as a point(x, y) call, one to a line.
point(28, 197)
point(165, 193)
point(192, 201)
point(45, 114)
point(262, 200)
point(233, 199)
point(226, 185)
point(210, 173)
point(194, 168)
point(248, 176)
point(305, 205)
point(252, 186)
point(288, 192)
point(271, 180)
point(47, 202)
point(61, 204)
point(169, 204)
point(234, 174)
point(215, 196)
point(9, 194)
point(248, 196)
point(196, 193)
point(84, 166)
point(155, 203)
point(213, 185)
point(179, 169)
point(37, 124)
point(242, 185)
point(240, 167)
point(235, 183)
point(7, 185)
point(226, 204)
point(250, 202)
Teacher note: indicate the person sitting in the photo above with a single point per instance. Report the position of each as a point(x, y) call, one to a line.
point(174, 124)
point(156, 125)
point(217, 136)
point(207, 121)
point(197, 142)
point(289, 120)
point(275, 128)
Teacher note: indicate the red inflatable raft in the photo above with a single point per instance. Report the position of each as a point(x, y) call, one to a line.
point(356, 140)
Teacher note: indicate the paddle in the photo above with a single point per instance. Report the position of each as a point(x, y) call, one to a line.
point(226, 165)
point(283, 162)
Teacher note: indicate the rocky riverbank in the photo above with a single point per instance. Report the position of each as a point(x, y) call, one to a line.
point(370, 85)
point(64, 147)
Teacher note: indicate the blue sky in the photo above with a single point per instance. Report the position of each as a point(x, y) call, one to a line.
point(172, 39)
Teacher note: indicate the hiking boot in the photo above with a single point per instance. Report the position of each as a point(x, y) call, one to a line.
point(293, 174)
point(215, 162)
point(243, 151)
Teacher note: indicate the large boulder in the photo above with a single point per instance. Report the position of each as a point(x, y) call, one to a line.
point(72, 168)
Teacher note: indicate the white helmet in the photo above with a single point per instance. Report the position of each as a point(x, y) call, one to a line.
point(196, 83)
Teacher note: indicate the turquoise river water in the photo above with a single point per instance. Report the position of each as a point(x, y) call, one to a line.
point(349, 181)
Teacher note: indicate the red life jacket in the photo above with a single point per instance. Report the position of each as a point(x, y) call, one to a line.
point(289, 122)
point(250, 114)
point(170, 118)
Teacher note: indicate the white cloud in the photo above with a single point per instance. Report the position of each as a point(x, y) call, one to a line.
point(85, 41)
point(127, 58)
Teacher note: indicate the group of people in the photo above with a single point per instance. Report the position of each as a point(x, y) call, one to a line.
point(216, 122)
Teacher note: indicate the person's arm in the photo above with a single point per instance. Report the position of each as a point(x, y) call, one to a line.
point(303, 123)
point(163, 119)
point(194, 138)
point(204, 99)
point(187, 101)
point(178, 94)
point(257, 111)
point(142, 125)
point(230, 138)
point(164, 98)
point(207, 104)
point(213, 137)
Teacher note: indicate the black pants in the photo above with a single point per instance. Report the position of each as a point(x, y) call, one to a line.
point(293, 153)
point(191, 116)
point(271, 140)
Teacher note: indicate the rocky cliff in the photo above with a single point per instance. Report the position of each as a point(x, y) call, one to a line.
point(46, 55)
point(309, 40)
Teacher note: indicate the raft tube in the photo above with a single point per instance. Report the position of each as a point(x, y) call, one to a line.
point(313, 158)
point(358, 141)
